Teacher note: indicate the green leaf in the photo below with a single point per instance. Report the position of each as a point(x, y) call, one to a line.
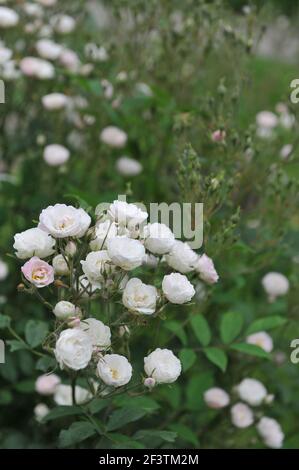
point(168, 436)
point(188, 357)
point(77, 432)
point(5, 397)
point(61, 412)
point(4, 321)
point(266, 323)
point(201, 329)
point(25, 386)
point(196, 388)
point(176, 328)
point(98, 405)
point(230, 326)
point(16, 345)
point(250, 349)
point(35, 332)
point(217, 357)
point(185, 434)
point(145, 403)
point(45, 363)
point(124, 416)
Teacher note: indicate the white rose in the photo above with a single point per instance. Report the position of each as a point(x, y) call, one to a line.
point(271, 432)
point(125, 252)
point(252, 391)
point(55, 101)
point(38, 68)
point(181, 257)
point(63, 24)
point(71, 249)
point(46, 384)
point(114, 137)
point(163, 366)
point(64, 310)
point(33, 242)
point(206, 269)
point(70, 60)
point(159, 239)
point(5, 54)
point(139, 297)
point(96, 265)
point(56, 155)
point(40, 411)
point(73, 349)
point(275, 285)
point(103, 231)
point(128, 166)
point(150, 260)
point(99, 334)
point(60, 266)
point(63, 395)
point(241, 415)
point(64, 221)
point(114, 370)
point(261, 339)
point(177, 288)
point(266, 119)
point(48, 49)
point(216, 398)
point(31, 9)
point(126, 215)
point(286, 151)
point(3, 270)
point(8, 17)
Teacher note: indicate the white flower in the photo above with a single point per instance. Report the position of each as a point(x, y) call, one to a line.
point(216, 398)
point(275, 285)
point(55, 101)
point(5, 54)
point(163, 366)
point(38, 68)
point(73, 349)
point(139, 297)
point(261, 339)
point(33, 242)
point(96, 265)
point(64, 310)
point(3, 270)
point(31, 9)
point(159, 239)
point(285, 151)
point(48, 49)
point(125, 252)
point(127, 215)
point(99, 334)
point(64, 221)
point(103, 231)
point(40, 411)
point(70, 60)
point(8, 17)
point(150, 260)
point(114, 370)
point(177, 288)
point(114, 137)
point(241, 415)
point(271, 432)
point(206, 269)
point(56, 155)
point(252, 391)
point(71, 249)
point(63, 24)
point(63, 395)
point(266, 119)
point(181, 257)
point(46, 384)
point(60, 265)
point(127, 166)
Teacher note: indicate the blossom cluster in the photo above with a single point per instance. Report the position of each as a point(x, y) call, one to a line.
point(91, 262)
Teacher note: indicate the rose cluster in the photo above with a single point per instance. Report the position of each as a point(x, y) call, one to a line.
point(85, 262)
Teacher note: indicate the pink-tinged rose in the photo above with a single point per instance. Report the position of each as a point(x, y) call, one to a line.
point(38, 272)
point(206, 269)
point(218, 136)
point(47, 384)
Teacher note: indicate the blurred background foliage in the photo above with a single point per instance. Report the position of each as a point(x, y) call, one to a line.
point(201, 62)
